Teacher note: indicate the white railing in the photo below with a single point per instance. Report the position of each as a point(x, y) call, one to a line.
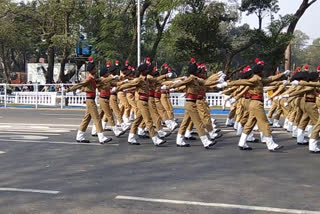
point(61, 99)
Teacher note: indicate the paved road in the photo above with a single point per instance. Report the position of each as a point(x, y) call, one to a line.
point(38, 152)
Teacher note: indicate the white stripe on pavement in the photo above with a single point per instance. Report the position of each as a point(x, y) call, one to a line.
point(220, 205)
point(27, 133)
point(29, 190)
point(2, 152)
point(63, 114)
point(67, 143)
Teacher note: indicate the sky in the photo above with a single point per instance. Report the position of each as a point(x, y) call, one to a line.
point(309, 22)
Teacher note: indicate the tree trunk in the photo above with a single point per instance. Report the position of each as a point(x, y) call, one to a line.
point(292, 26)
point(49, 74)
point(160, 29)
point(287, 57)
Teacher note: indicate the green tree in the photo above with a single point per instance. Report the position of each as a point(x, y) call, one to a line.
point(259, 7)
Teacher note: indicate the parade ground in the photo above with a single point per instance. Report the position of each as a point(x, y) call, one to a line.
point(43, 170)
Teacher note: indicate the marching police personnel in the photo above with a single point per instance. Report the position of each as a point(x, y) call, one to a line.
point(89, 86)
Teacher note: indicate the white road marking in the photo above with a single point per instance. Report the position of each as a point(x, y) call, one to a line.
point(2, 152)
point(220, 205)
point(55, 142)
point(61, 114)
point(27, 137)
point(70, 118)
point(39, 124)
point(29, 190)
point(27, 133)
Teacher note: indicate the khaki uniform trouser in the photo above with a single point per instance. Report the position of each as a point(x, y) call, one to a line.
point(91, 112)
point(132, 102)
point(257, 115)
point(154, 113)
point(191, 113)
point(204, 114)
point(278, 111)
point(316, 130)
point(165, 100)
point(161, 110)
point(239, 109)
point(105, 112)
point(299, 105)
point(245, 105)
point(232, 111)
point(285, 109)
point(272, 109)
point(124, 104)
point(143, 114)
point(310, 113)
point(318, 102)
point(115, 108)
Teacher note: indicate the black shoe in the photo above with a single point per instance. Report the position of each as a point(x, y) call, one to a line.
point(217, 137)
point(303, 144)
point(122, 133)
point(217, 130)
point(210, 145)
point(107, 140)
point(163, 142)
point(166, 135)
point(83, 141)
point(184, 145)
point(229, 125)
point(190, 138)
point(315, 152)
point(276, 149)
point(134, 143)
point(94, 135)
point(244, 148)
point(144, 136)
point(255, 141)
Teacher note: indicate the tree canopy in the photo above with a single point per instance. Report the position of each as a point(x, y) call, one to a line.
point(172, 31)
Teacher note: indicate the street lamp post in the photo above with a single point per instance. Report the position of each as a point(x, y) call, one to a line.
point(138, 34)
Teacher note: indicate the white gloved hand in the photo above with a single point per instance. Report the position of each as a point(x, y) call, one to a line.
point(269, 102)
point(221, 80)
point(286, 104)
point(171, 90)
point(222, 85)
point(115, 77)
point(170, 74)
point(220, 92)
point(284, 82)
point(164, 87)
point(126, 80)
point(287, 72)
point(285, 96)
point(295, 82)
point(232, 100)
point(220, 73)
point(276, 98)
point(114, 89)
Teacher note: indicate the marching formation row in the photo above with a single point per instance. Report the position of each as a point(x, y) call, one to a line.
point(139, 101)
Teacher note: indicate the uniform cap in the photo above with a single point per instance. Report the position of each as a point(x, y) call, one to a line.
point(318, 68)
point(306, 67)
point(298, 68)
point(117, 62)
point(126, 63)
point(90, 59)
point(257, 60)
point(192, 60)
point(108, 64)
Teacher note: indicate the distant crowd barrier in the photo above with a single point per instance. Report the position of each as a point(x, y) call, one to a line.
point(53, 95)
